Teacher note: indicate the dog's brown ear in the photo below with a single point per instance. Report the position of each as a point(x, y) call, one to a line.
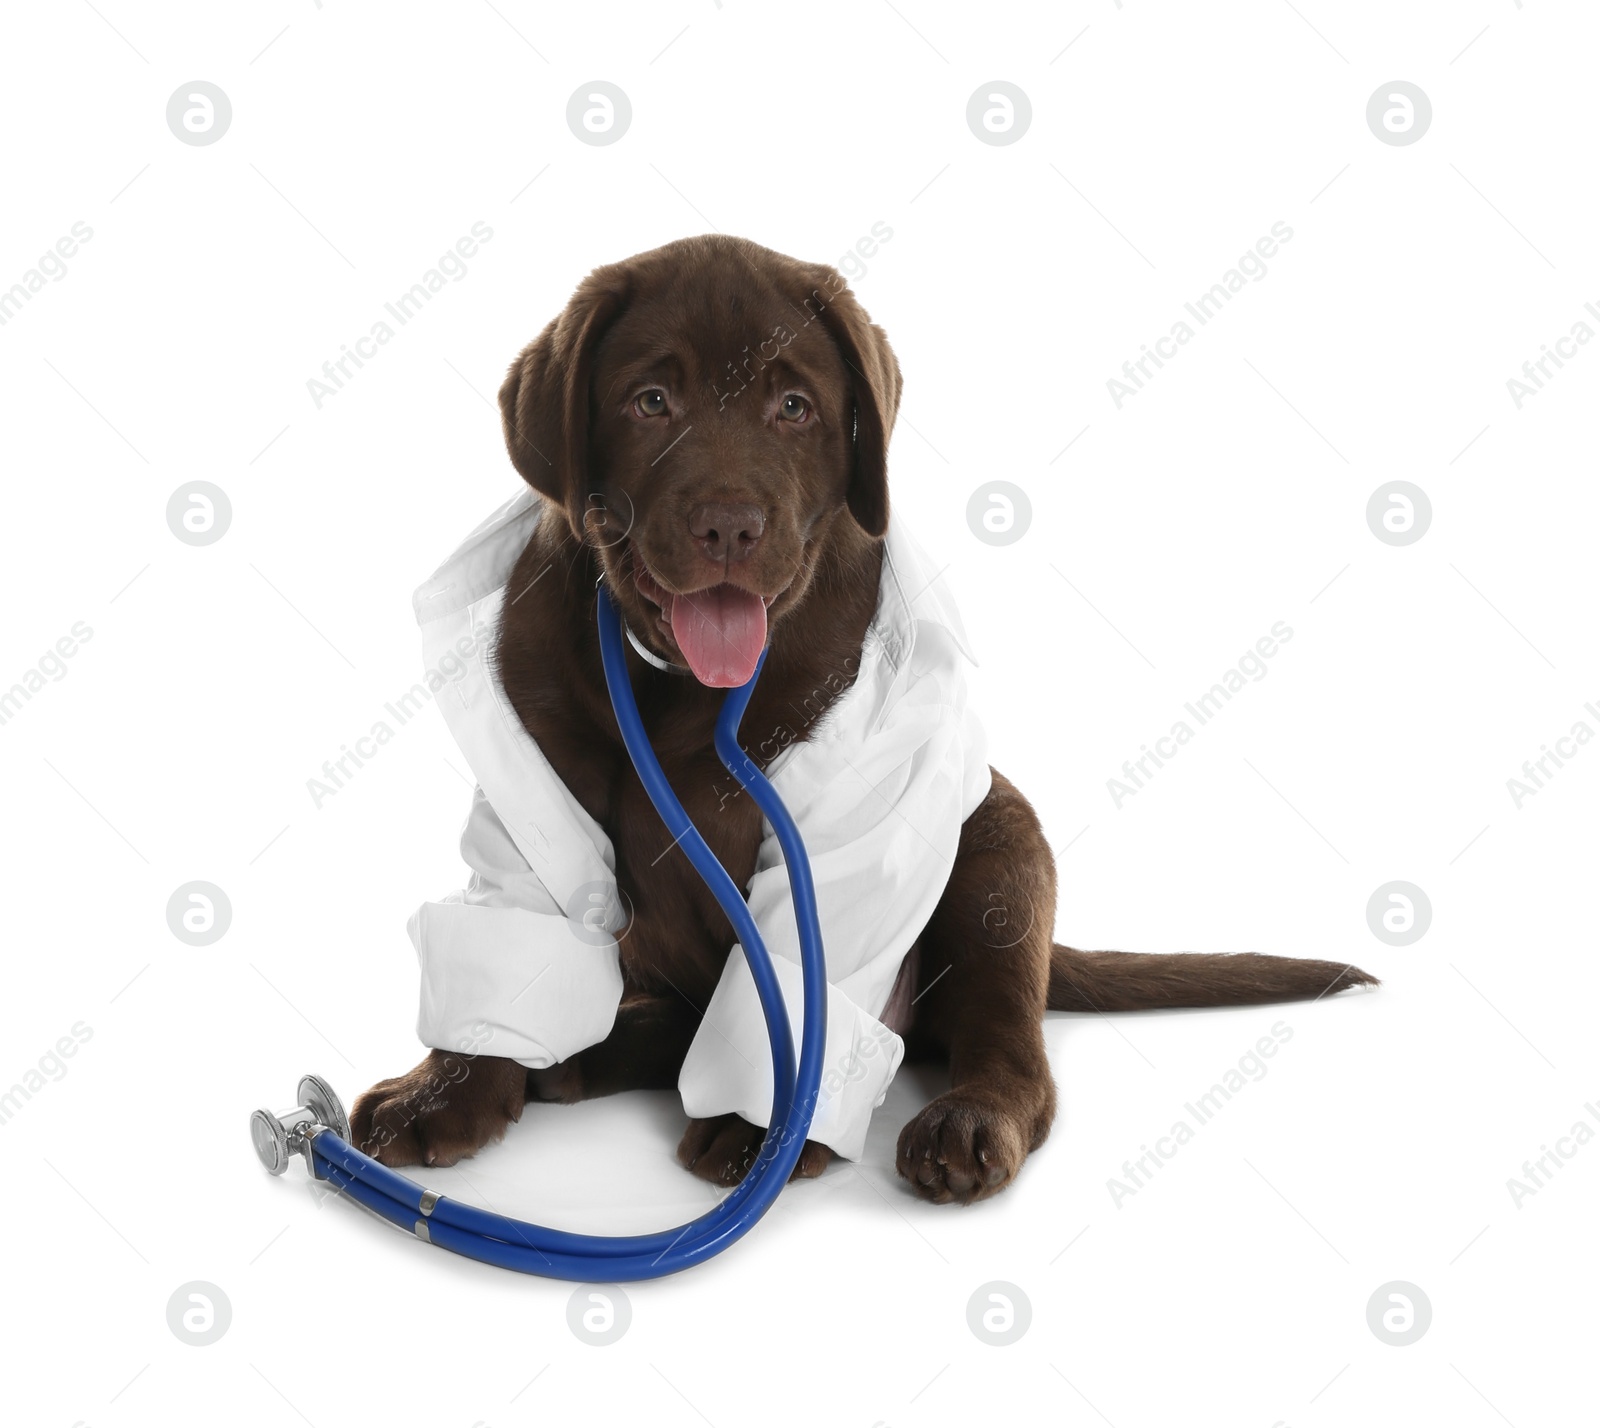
point(875, 384)
point(544, 400)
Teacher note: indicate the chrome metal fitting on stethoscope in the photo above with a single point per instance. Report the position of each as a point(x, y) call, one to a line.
point(280, 1136)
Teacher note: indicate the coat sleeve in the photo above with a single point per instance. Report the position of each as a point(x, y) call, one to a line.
point(505, 969)
point(880, 792)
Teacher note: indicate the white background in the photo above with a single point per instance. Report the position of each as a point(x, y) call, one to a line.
point(1229, 494)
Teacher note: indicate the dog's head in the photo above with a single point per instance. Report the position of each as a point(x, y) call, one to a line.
point(702, 414)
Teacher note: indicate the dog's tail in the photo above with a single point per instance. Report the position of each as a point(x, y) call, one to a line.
point(1143, 981)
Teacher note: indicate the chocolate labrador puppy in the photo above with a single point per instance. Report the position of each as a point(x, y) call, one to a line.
point(772, 518)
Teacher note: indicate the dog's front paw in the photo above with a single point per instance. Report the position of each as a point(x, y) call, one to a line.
point(722, 1149)
point(961, 1147)
point(445, 1108)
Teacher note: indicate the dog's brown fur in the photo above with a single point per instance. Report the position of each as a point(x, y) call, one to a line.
point(727, 331)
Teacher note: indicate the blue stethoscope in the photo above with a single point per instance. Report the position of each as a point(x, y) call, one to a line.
point(319, 1129)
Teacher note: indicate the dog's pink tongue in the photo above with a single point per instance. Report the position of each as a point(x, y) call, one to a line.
point(721, 632)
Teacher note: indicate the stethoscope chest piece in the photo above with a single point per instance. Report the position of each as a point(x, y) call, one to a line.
point(278, 1137)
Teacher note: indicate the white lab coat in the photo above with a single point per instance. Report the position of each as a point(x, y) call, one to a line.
point(522, 963)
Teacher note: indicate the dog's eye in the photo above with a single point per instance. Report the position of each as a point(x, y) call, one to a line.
point(651, 403)
point(794, 408)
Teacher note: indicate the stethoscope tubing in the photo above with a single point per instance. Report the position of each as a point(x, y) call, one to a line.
point(535, 1249)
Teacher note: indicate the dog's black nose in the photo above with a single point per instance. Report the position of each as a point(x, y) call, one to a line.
point(726, 531)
